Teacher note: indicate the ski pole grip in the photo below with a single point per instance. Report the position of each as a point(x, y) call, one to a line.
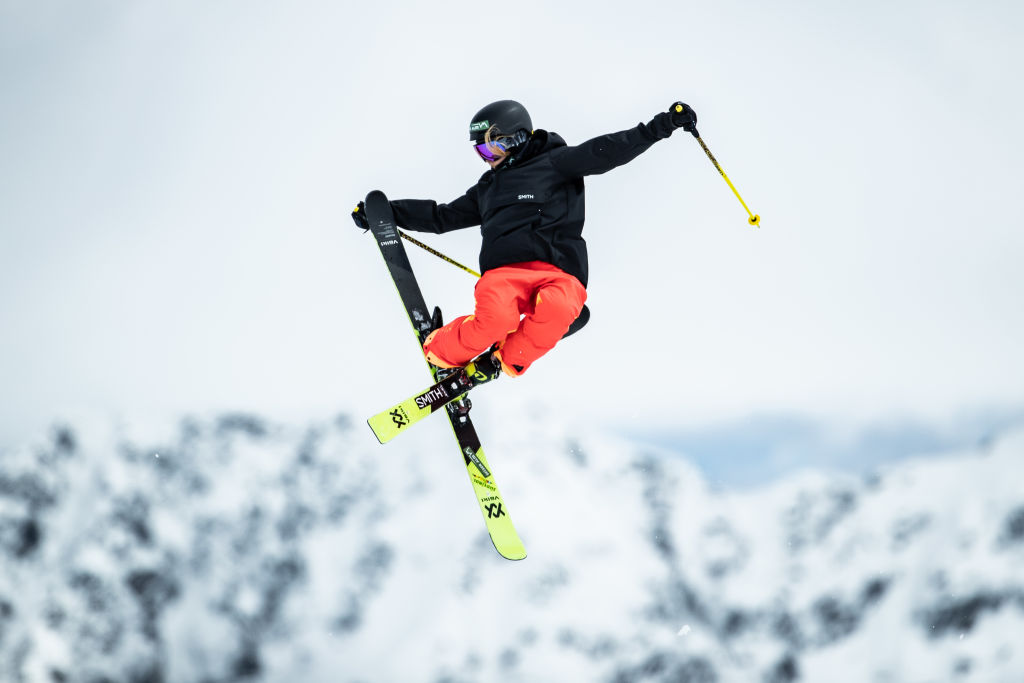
point(692, 129)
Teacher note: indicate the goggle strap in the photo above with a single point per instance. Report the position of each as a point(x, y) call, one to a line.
point(505, 143)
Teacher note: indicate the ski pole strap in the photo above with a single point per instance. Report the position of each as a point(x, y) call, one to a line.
point(753, 220)
point(437, 253)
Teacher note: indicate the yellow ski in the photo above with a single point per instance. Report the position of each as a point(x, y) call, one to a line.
point(492, 506)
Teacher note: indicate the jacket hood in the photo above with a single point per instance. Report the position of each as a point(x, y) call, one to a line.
point(540, 142)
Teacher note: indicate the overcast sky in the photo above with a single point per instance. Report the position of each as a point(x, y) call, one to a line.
point(176, 178)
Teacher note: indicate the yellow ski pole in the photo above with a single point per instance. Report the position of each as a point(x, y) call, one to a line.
point(754, 219)
point(437, 253)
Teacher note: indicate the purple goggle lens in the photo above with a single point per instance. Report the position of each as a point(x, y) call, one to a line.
point(485, 152)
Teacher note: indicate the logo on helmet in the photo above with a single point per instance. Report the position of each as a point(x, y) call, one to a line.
point(479, 126)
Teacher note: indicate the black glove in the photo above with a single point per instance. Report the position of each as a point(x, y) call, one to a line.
point(684, 117)
point(359, 216)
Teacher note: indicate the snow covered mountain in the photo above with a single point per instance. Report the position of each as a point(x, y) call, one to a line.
point(231, 548)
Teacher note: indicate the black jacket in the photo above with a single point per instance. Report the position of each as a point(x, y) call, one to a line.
point(531, 208)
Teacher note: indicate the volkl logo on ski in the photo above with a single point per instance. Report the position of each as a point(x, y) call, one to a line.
point(399, 417)
point(494, 509)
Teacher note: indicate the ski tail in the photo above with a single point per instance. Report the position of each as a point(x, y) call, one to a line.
point(389, 423)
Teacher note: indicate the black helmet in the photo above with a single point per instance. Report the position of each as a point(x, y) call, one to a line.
point(508, 115)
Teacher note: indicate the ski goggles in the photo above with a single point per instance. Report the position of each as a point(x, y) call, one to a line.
point(484, 150)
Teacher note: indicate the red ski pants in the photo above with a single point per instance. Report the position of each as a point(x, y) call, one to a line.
point(525, 308)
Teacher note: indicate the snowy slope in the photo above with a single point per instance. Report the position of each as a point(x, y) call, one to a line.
point(232, 548)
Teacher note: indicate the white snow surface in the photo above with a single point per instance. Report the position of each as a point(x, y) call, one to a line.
point(230, 548)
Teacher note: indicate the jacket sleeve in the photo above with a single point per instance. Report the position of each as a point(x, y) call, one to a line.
point(606, 152)
point(427, 215)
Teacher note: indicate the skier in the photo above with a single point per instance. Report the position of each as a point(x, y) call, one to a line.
point(530, 206)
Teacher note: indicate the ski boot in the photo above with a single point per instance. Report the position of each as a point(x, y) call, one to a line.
point(436, 322)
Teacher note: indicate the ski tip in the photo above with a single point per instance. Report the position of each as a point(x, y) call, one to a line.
point(375, 194)
point(374, 430)
point(515, 557)
point(514, 552)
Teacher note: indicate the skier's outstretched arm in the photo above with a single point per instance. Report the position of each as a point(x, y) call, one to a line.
point(426, 215)
point(605, 152)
